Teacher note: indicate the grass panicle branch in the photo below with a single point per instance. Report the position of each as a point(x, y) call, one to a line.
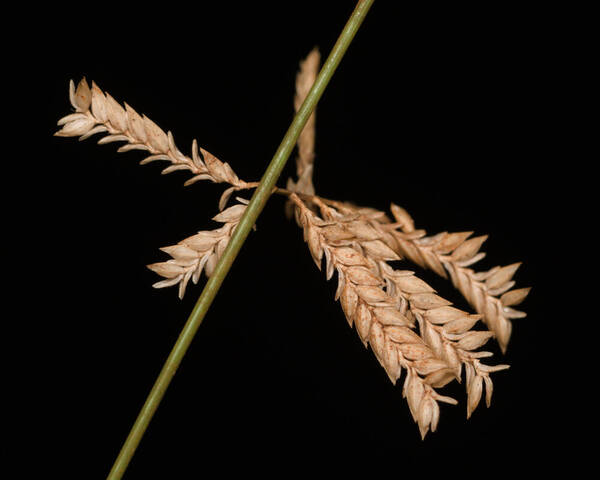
point(97, 112)
point(383, 304)
point(489, 292)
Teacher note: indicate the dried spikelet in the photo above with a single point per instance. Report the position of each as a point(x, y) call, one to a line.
point(309, 68)
point(448, 342)
point(198, 253)
point(455, 252)
point(98, 112)
point(482, 288)
point(451, 253)
point(379, 321)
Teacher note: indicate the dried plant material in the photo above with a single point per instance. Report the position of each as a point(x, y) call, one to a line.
point(197, 253)
point(369, 308)
point(445, 330)
point(98, 112)
point(309, 68)
point(383, 304)
point(405, 322)
point(305, 79)
point(454, 253)
point(451, 253)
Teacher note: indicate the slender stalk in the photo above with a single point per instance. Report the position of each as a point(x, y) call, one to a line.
point(256, 205)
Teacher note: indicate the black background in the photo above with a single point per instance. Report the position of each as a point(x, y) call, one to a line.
point(444, 111)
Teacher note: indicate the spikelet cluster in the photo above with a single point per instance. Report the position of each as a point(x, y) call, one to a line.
point(385, 304)
point(98, 112)
point(410, 328)
point(198, 253)
point(489, 292)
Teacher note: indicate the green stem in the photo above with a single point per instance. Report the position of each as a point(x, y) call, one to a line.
point(256, 205)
